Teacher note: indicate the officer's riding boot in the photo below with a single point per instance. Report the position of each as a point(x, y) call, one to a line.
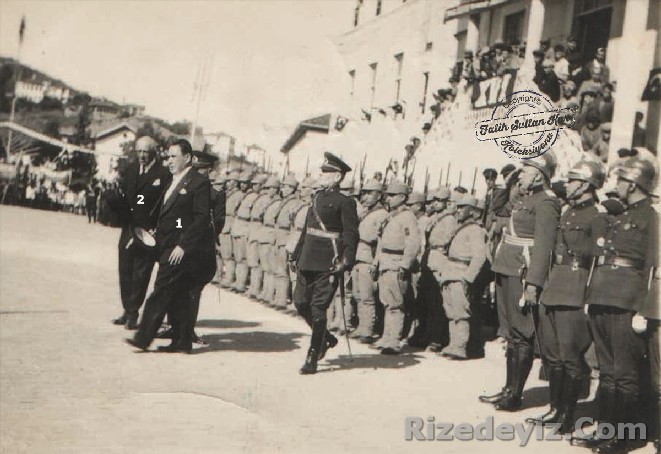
point(509, 361)
point(512, 400)
point(329, 341)
point(622, 413)
point(556, 376)
point(606, 402)
point(570, 393)
point(318, 330)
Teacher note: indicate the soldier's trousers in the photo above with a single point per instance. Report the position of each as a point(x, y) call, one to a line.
point(653, 345)
point(313, 294)
point(229, 265)
point(256, 273)
point(364, 289)
point(619, 349)
point(281, 277)
point(391, 294)
point(240, 245)
point(335, 316)
point(564, 337)
point(135, 268)
point(457, 309)
point(266, 258)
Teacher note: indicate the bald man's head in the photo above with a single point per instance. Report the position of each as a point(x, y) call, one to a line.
point(145, 148)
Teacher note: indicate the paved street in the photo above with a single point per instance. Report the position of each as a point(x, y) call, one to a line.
point(69, 384)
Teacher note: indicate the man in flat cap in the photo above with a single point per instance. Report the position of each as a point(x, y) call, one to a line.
point(325, 250)
point(137, 203)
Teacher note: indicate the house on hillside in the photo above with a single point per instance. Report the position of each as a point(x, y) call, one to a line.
point(104, 109)
point(109, 147)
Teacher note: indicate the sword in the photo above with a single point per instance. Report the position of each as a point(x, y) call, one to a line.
point(344, 317)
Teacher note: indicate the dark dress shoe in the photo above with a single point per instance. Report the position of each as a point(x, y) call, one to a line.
point(131, 322)
point(198, 340)
point(492, 398)
point(509, 402)
point(367, 339)
point(174, 349)
point(133, 343)
point(120, 320)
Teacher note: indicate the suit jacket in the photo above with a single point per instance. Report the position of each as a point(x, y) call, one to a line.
point(185, 221)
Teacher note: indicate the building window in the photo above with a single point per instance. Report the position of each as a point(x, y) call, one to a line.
point(423, 103)
point(373, 68)
point(513, 28)
point(429, 46)
point(352, 75)
point(399, 62)
point(379, 3)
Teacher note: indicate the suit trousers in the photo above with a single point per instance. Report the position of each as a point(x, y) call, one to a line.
point(564, 336)
point(135, 268)
point(519, 321)
point(619, 348)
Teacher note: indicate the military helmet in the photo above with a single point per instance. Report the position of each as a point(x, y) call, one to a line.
point(415, 197)
point(467, 200)
point(290, 180)
point(245, 177)
point(259, 179)
point(308, 182)
point(234, 176)
point(220, 178)
point(272, 182)
point(397, 187)
point(639, 171)
point(346, 184)
point(481, 204)
point(545, 163)
point(373, 185)
point(442, 194)
point(588, 171)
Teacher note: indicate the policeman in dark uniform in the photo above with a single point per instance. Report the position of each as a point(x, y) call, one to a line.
point(628, 251)
point(325, 250)
point(137, 204)
point(521, 265)
point(563, 326)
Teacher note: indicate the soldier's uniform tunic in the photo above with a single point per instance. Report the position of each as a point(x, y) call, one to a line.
point(239, 232)
point(628, 248)
point(466, 255)
point(364, 286)
point(317, 249)
point(226, 249)
point(256, 216)
point(397, 251)
point(283, 225)
point(266, 240)
point(298, 223)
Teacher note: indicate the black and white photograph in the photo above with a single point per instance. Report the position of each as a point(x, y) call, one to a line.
point(329, 226)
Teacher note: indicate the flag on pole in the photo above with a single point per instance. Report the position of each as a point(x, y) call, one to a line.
point(21, 31)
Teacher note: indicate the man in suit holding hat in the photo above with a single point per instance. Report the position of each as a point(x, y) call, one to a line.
point(186, 253)
point(136, 204)
point(325, 250)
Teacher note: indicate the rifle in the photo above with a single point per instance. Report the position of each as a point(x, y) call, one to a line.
point(426, 187)
point(385, 175)
point(473, 186)
point(362, 171)
point(411, 177)
point(440, 177)
point(307, 163)
point(447, 175)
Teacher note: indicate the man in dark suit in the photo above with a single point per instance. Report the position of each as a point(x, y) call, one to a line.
point(326, 250)
point(185, 246)
point(136, 204)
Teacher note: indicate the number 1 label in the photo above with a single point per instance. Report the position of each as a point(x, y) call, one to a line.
point(179, 223)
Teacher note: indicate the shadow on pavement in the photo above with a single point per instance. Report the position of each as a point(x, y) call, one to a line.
point(369, 361)
point(225, 324)
point(535, 397)
point(256, 341)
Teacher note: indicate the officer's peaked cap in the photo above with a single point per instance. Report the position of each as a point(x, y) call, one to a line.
point(334, 164)
point(397, 187)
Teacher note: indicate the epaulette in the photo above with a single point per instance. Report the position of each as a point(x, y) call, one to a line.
point(550, 193)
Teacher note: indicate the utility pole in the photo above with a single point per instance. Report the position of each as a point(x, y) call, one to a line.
point(200, 91)
point(21, 33)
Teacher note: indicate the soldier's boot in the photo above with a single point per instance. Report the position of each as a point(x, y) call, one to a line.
point(556, 376)
point(241, 277)
point(318, 330)
point(624, 411)
point(255, 282)
point(509, 362)
point(281, 292)
point(512, 400)
point(459, 333)
point(570, 394)
point(228, 275)
point(606, 404)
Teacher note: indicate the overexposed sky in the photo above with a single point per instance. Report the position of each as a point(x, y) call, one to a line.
point(272, 62)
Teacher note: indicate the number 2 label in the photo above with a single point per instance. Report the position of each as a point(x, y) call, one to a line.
point(141, 199)
point(179, 223)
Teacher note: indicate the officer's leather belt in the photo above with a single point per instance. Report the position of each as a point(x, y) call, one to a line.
point(621, 262)
point(465, 261)
point(518, 241)
point(575, 261)
point(438, 247)
point(323, 234)
point(385, 250)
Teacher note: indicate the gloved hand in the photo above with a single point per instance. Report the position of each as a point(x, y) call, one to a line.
point(340, 265)
point(586, 309)
point(530, 295)
point(639, 324)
